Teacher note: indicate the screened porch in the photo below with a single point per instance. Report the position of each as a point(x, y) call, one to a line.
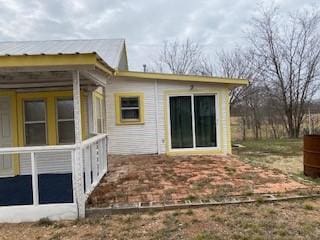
point(53, 146)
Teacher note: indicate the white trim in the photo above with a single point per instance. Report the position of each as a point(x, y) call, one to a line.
point(64, 119)
point(95, 77)
point(6, 174)
point(31, 213)
point(28, 149)
point(130, 108)
point(77, 107)
point(217, 114)
point(45, 121)
point(35, 190)
point(36, 211)
point(194, 143)
point(104, 110)
point(78, 158)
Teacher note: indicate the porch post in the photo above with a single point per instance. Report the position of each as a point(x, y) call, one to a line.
point(78, 162)
point(104, 111)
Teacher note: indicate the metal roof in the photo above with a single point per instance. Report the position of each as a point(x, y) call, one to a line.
point(109, 50)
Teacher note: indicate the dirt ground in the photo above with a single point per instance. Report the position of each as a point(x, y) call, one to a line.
point(282, 220)
point(152, 178)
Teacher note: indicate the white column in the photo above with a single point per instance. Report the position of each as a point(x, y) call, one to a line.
point(35, 189)
point(104, 108)
point(105, 125)
point(77, 106)
point(79, 183)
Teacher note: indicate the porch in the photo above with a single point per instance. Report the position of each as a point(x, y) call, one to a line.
point(151, 179)
point(53, 193)
point(53, 146)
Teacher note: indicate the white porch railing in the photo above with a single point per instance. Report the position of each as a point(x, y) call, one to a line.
point(94, 158)
point(95, 161)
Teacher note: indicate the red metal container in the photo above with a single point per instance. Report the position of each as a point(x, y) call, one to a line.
point(311, 155)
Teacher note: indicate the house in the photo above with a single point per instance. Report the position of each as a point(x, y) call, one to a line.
point(66, 105)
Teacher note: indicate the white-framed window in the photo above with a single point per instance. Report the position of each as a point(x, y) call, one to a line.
point(129, 109)
point(65, 121)
point(99, 105)
point(193, 121)
point(35, 122)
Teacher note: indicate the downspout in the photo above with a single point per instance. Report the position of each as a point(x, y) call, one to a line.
point(156, 114)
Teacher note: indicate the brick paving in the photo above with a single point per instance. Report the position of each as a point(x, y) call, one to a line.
point(153, 178)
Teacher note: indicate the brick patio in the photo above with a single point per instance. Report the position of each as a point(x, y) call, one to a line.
point(153, 178)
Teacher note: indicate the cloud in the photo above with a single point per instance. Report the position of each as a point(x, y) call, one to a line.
point(144, 24)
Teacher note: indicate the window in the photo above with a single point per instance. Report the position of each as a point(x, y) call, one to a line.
point(193, 121)
point(99, 115)
point(65, 121)
point(129, 108)
point(35, 129)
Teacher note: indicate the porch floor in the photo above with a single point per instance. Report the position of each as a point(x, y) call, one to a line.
point(153, 178)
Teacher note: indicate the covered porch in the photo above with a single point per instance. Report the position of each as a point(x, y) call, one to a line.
point(53, 142)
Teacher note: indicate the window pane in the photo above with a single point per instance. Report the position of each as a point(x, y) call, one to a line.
point(181, 122)
point(66, 132)
point(35, 134)
point(65, 109)
point(130, 114)
point(99, 125)
point(98, 107)
point(205, 121)
point(34, 111)
point(129, 101)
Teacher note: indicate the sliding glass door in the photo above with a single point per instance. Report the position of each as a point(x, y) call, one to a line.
point(181, 122)
point(205, 121)
point(193, 121)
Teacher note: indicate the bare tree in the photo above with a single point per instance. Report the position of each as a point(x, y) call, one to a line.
point(288, 49)
point(237, 63)
point(179, 57)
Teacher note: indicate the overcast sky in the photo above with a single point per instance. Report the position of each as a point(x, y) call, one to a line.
point(144, 24)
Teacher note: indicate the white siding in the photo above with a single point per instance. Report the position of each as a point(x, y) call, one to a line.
point(141, 139)
point(131, 139)
point(50, 162)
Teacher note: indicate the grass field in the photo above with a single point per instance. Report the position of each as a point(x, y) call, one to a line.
point(282, 221)
point(288, 220)
point(285, 155)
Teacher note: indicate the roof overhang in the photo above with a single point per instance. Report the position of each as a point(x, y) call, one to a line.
point(91, 62)
point(56, 62)
point(233, 82)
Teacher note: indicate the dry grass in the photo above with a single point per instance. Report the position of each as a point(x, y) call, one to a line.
point(285, 220)
point(266, 129)
point(284, 155)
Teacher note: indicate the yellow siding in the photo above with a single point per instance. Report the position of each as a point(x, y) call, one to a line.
point(18, 121)
point(14, 127)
